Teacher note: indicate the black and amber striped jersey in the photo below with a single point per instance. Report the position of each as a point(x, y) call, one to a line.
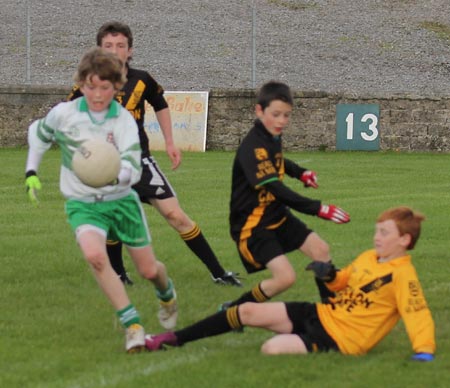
point(371, 297)
point(258, 169)
point(140, 87)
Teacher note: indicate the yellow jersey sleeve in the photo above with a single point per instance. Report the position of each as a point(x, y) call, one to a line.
point(413, 309)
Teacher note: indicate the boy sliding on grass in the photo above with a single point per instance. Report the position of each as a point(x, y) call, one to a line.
point(261, 222)
point(115, 209)
point(372, 293)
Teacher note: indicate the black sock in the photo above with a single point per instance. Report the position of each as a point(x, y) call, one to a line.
point(114, 249)
point(197, 243)
point(219, 323)
point(256, 295)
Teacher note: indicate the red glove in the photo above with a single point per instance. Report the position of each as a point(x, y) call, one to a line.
point(309, 179)
point(333, 213)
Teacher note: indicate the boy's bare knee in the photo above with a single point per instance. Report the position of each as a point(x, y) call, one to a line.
point(269, 348)
point(149, 272)
point(321, 251)
point(97, 261)
point(246, 310)
point(316, 248)
point(286, 281)
point(179, 220)
point(176, 216)
point(290, 279)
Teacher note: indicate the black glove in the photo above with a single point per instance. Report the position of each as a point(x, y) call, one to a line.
point(323, 271)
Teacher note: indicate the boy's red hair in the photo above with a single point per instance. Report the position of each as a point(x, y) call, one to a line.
point(407, 220)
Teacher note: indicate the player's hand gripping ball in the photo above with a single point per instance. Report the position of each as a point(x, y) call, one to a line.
point(96, 163)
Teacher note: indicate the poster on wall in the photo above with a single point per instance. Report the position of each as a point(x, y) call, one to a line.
point(189, 113)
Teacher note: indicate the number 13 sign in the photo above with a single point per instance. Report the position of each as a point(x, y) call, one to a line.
point(357, 127)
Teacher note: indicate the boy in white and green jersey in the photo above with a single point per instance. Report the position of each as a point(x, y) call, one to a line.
point(113, 210)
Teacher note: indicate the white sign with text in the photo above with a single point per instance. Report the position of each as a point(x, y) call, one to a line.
point(189, 113)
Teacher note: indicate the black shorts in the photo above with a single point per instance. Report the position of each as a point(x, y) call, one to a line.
point(263, 246)
point(307, 325)
point(153, 183)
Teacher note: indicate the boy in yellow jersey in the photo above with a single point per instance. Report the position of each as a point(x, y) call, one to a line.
point(373, 293)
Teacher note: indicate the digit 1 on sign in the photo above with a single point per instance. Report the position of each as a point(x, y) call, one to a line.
point(349, 121)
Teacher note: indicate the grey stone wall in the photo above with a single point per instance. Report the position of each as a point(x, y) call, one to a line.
point(20, 105)
point(407, 123)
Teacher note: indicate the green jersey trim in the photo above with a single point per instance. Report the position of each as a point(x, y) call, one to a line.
point(113, 110)
point(268, 181)
point(127, 155)
point(44, 132)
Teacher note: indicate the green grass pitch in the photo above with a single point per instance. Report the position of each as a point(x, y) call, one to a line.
point(58, 330)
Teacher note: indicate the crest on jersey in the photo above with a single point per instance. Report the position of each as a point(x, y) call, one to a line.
point(261, 153)
point(376, 284)
point(414, 288)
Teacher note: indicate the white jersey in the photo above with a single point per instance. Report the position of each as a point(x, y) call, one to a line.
point(69, 124)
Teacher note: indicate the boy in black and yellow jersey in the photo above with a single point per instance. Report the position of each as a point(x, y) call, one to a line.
point(261, 222)
point(154, 188)
point(373, 293)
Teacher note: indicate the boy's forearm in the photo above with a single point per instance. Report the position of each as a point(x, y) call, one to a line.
point(33, 160)
point(292, 199)
point(36, 148)
point(293, 169)
point(165, 122)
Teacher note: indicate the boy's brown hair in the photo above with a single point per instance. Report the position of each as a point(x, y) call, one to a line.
point(272, 91)
point(115, 28)
point(407, 220)
point(106, 66)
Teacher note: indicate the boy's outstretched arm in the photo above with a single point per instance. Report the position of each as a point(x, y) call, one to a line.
point(306, 205)
point(308, 177)
point(416, 315)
